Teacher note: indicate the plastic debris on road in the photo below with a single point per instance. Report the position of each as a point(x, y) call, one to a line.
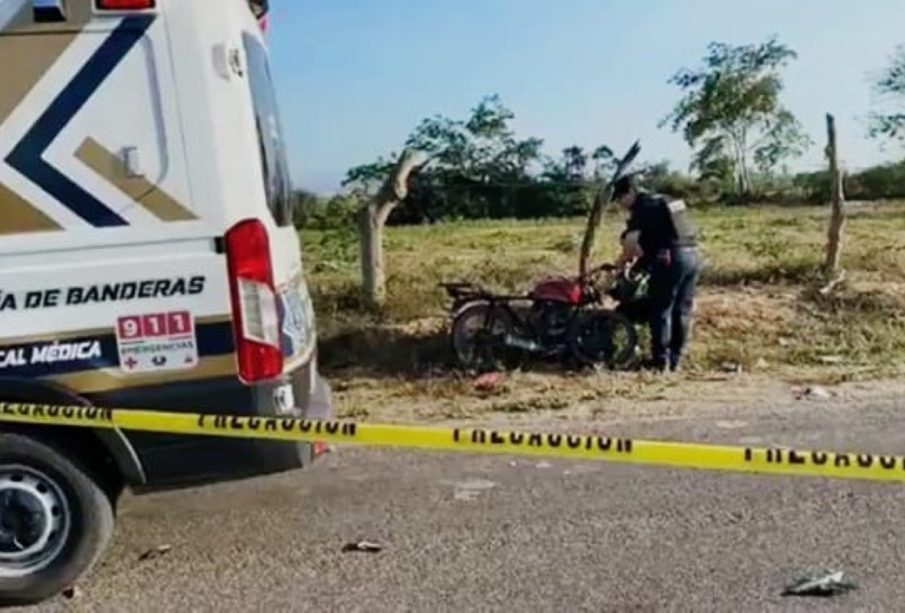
point(814, 392)
point(731, 367)
point(363, 546)
point(72, 593)
point(156, 552)
point(831, 583)
point(489, 383)
point(470, 489)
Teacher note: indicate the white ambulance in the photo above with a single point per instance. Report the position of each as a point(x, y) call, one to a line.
point(147, 260)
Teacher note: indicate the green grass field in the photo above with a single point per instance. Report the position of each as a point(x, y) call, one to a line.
point(757, 304)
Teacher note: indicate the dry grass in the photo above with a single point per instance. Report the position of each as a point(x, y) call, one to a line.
point(757, 304)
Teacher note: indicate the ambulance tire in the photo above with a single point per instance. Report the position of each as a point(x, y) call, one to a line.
point(58, 509)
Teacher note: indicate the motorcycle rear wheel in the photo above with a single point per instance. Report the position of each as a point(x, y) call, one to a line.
point(477, 337)
point(603, 338)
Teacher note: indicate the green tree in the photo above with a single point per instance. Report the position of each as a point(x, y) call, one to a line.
point(305, 206)
point(604, 162)
point(482, 148)
point(569, 167)
point(563, 189)
point(890, 87)
point(364, 180)
point(573, 165)
point(478, 168)
point(731, 114)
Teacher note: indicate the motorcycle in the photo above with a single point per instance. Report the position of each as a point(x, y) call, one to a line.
point(560, 318)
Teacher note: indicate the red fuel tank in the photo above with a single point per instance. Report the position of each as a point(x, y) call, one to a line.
point(558, 289)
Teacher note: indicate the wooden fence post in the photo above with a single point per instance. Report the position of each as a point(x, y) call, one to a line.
point(836, 232)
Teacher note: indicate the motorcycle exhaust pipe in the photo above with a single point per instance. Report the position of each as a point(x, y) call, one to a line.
point(525, 344)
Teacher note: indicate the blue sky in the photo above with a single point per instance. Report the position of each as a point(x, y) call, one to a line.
point(355, 76)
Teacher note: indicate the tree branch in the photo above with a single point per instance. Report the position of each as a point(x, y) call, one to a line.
point(395, 189)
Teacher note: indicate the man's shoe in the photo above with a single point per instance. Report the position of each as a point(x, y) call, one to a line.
point(655, 366)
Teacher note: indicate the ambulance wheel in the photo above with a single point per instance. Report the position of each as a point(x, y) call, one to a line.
point(55, 520)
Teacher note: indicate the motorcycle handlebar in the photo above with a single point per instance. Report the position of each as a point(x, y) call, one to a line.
point(602, 268)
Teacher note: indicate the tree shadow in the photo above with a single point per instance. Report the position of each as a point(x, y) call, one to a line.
point(385, 351)
point(391, 352)
point(794, 272)
point(851, 303)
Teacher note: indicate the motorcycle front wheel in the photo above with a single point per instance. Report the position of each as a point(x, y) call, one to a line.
point(478, 337)
point(603, 338)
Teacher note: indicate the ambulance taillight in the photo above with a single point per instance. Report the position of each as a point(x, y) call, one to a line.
point(254, 301)
point(125, 5)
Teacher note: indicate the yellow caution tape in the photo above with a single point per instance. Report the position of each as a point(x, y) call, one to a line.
point(775, 461)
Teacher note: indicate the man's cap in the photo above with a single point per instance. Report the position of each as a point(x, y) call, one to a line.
point(624, 185)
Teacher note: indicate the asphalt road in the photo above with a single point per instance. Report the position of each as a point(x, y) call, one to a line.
point(491, 533)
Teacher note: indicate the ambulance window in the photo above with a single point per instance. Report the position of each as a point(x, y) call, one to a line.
point(277, 184)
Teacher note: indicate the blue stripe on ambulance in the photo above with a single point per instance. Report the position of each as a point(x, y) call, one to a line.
point(213, 340)
point(27, 158)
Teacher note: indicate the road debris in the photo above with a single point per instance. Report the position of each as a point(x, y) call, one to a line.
point(542, 465)
point(156, 552)
point(815, 392)
point(489, 383)
point(363, 546)
point(831, 359)
point(824, 584)
point(469, 490)
point(730, 424)
point(72, 593)
point(731, 367)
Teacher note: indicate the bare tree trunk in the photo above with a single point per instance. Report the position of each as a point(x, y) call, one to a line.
point(371, 221)
point(742, 153)
point(603, 196)
point(746, 177)
point(742, 178)
point(739, 167)
point(373, 276)
point(745, 169)
point(590, 233)
point(837, 219)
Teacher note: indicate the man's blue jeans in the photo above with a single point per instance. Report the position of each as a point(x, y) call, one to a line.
point(673, 282)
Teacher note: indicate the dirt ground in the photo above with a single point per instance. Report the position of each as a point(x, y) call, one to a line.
point(600, 398)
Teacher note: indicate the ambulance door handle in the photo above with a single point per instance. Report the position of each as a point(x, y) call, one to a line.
point(132, 162)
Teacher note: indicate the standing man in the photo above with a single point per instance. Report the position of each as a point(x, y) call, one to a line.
point(661, 233)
